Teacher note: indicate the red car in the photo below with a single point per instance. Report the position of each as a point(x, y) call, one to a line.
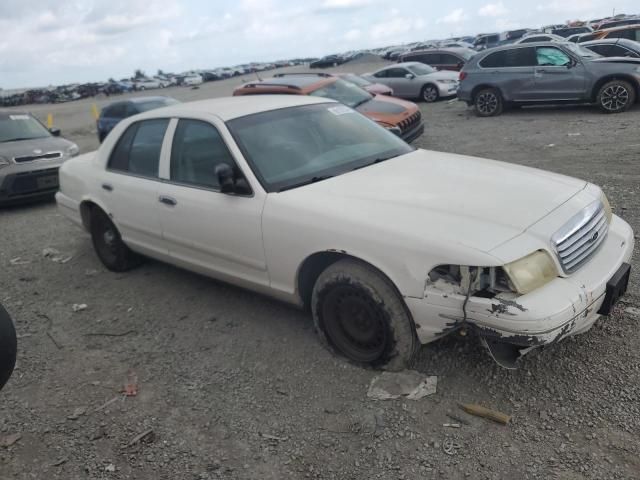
point(374, 88)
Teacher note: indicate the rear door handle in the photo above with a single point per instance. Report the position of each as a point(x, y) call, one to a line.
point(107, 187)
point(172, 202)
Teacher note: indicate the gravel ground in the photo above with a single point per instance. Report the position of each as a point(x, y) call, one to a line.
point(234, 385)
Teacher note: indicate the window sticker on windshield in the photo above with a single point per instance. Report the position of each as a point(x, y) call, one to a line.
point(341, 110)
point(19, 117)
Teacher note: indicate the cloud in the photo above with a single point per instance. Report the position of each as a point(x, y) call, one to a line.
point(493, 10)
point(353, 34)
point(456, 16)
point(397, 29)
point(328, 4)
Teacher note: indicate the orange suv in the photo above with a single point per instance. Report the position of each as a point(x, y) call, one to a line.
point(399, 116)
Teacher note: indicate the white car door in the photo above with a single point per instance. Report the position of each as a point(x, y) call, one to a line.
point(129, 185)
point(216, 233)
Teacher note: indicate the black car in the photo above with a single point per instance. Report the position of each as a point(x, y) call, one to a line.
point(614, 47)
point(8, 346)
point(113, 113)
point(567, 32)
point(328, 61)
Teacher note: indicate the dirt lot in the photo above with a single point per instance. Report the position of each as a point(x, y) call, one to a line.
point(236, 386)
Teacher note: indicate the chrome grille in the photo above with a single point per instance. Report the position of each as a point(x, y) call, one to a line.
point(581, 236)
point(43, 156)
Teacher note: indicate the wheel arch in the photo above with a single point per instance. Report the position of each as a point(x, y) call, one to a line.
point(87, 206)
point(312, 267)
point(483, 86)
point(627, 78)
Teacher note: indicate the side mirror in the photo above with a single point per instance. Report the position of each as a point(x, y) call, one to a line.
point(226, 179)
point(409, 76)
point(8, 346)
point(55, 132)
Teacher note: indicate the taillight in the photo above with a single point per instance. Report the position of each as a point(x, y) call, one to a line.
point(462, 76)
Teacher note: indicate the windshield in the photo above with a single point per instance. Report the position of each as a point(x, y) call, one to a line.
point(153, 104)
point(343, 92)
point(355, 79)
point(294, 146)
point(421, 69)
point(21, 127)
point(581, 51)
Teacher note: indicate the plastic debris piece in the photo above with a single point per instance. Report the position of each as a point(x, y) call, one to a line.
point(408, 384)
point(131, 386)
point(9, 440)
point(480, 411)
point(78, 307)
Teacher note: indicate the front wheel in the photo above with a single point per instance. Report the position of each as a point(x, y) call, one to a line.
point(430, 93)
point(108, 244)
point(616, 96)
point(359, 314)
point(488, 103)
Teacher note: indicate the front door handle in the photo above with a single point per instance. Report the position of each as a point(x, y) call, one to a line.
point(172, 202)
point(108, 187)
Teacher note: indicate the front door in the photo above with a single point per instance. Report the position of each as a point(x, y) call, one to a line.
point(558, 76)
point(216, 233)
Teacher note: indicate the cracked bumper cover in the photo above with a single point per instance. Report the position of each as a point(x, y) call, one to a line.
point(563, 307)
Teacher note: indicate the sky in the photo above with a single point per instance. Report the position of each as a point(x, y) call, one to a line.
point(46, 42)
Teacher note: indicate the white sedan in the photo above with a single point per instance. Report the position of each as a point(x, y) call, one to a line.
point(308, 201)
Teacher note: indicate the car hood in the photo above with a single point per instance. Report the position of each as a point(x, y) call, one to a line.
point(441, 75)
point(23, 148)
point(378, 88)
point(387, 109)
point(433, 197)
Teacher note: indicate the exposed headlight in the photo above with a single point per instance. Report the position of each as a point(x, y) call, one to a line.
point(607, 208)
point(4, 162)
point(73, 150)
point(531, 272)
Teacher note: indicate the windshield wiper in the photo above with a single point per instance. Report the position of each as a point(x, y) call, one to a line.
point(377, 160)
point(357, 104)
point(306, 182)
point(17, 139)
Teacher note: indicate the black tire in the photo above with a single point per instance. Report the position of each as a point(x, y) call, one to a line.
point(108, 244)
point(429, 93)
point(378, 332)
point(8, 347)
point(488, 102)
point(616, 96)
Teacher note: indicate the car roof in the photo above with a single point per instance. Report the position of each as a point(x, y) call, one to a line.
point(513, 46)
point(459, 50)
point(228, 108)
point(303, 80)
point(401, 64)
point(4, 114)
point(633, 26)
point(612, 41)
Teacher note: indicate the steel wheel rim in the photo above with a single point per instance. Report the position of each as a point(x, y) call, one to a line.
point(108, 242)
point(487, 103)
point(355, 324)
point(615, 97)
point(430, 94)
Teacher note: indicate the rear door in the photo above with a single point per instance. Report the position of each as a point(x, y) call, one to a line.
point(512, 71)
point(130, 185)
point(558, 76)
point(395, 78)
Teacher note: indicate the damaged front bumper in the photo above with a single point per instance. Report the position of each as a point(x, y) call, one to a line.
point(563, 307)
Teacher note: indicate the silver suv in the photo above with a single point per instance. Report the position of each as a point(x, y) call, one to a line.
point(551, 73)
point(30, 156)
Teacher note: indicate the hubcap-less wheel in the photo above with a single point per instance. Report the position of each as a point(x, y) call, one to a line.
point(355, 323)
point(108, 245)
point(614, 97)
point(430, 93)
point(487, 103)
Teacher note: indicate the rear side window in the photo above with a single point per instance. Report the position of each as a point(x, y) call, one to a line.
point(197, 150)
point(604, 50)
point(518, 57)
point(549, 56)
point(119, 110)
point(447, 59)
point(630, 34)
point(618, 51)
point(138, 149)
point(396, 73)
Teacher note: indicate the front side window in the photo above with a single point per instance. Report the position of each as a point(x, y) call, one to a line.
point(138, 149)
point(197, 150)
point(552, 57)
point(293, 146)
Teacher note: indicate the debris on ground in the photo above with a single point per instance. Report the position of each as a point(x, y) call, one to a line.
point(450, 447)
point(55, 255)
point(480, 411)
point(59, 462)
point(77, 413)
point(273, 437)
point(110, 468)
point(9, 440)
point(408, 384)
point(146, 436)
point(573, 134)
point(78, 307)
point(19, 261)
point(131, 385)
point(451, 425)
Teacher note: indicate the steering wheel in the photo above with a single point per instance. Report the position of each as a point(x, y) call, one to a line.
point(8, 346)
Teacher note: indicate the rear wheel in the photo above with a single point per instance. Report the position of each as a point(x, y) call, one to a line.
point(8, 346)
point(430, 93)
point(488, 103)
point(616, 96)
point(108, 244)
point(359, 314)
